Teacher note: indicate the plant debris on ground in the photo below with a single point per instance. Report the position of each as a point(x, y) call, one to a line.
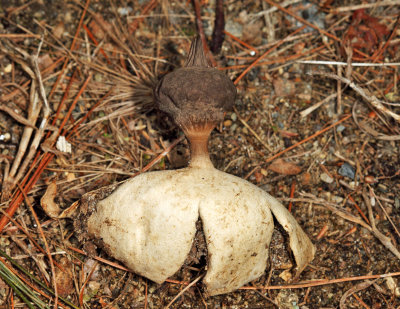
point(316, 124)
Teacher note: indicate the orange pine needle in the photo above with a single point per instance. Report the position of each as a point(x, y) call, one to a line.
point(149, 7)
point(322, 232)
point(240, 41)
point(308, 138)
point(292, 189)
point(361, 301)
point(265, 54)
point(91, 36)
point(29, 283)
point(115, 265)
point(82, 290)
point(318, 282)
point(53, 89)
point(305, 22)
point(359, 209)
point(66, 117)
point(18, 197)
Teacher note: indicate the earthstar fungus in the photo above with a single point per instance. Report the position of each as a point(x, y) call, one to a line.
point(149, 222)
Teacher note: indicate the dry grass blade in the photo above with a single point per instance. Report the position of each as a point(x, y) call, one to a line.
point(358, 287)
point(16, 116)
point(22, 291)
point(386, 241)
point(332, 207)
point(370, 98)
point(36, 107)
point(183, 291)
point(32, 277)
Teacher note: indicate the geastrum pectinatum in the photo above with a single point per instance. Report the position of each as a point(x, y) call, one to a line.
point(149, 222)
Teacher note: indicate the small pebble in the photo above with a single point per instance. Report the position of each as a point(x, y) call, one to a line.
point(391, 284)
point(382, 188)
point(227, 123)
point(124, 11)
point(98, 77)
point(275, 115)
point(346, 170)
point(340, 128)
point(264, 172)
point(234, 117)
point(286, 299)
point(5, 137)
point(326, 178)
point(337, 199)
point(94, 158)
point(306, 178)
point(8, 68)
point(369, 179)
point(93, 287)
point(234, 28)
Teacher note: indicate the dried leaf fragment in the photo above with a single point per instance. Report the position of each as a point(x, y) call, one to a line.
point(51, 208)
point(280, 166)
point(47, 201)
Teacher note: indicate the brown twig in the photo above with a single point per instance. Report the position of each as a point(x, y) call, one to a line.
point(16, 116)
point(219, 25)
point(364, 6)
point(18, 36)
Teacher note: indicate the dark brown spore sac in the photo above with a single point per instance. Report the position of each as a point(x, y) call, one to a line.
point(197, 93)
